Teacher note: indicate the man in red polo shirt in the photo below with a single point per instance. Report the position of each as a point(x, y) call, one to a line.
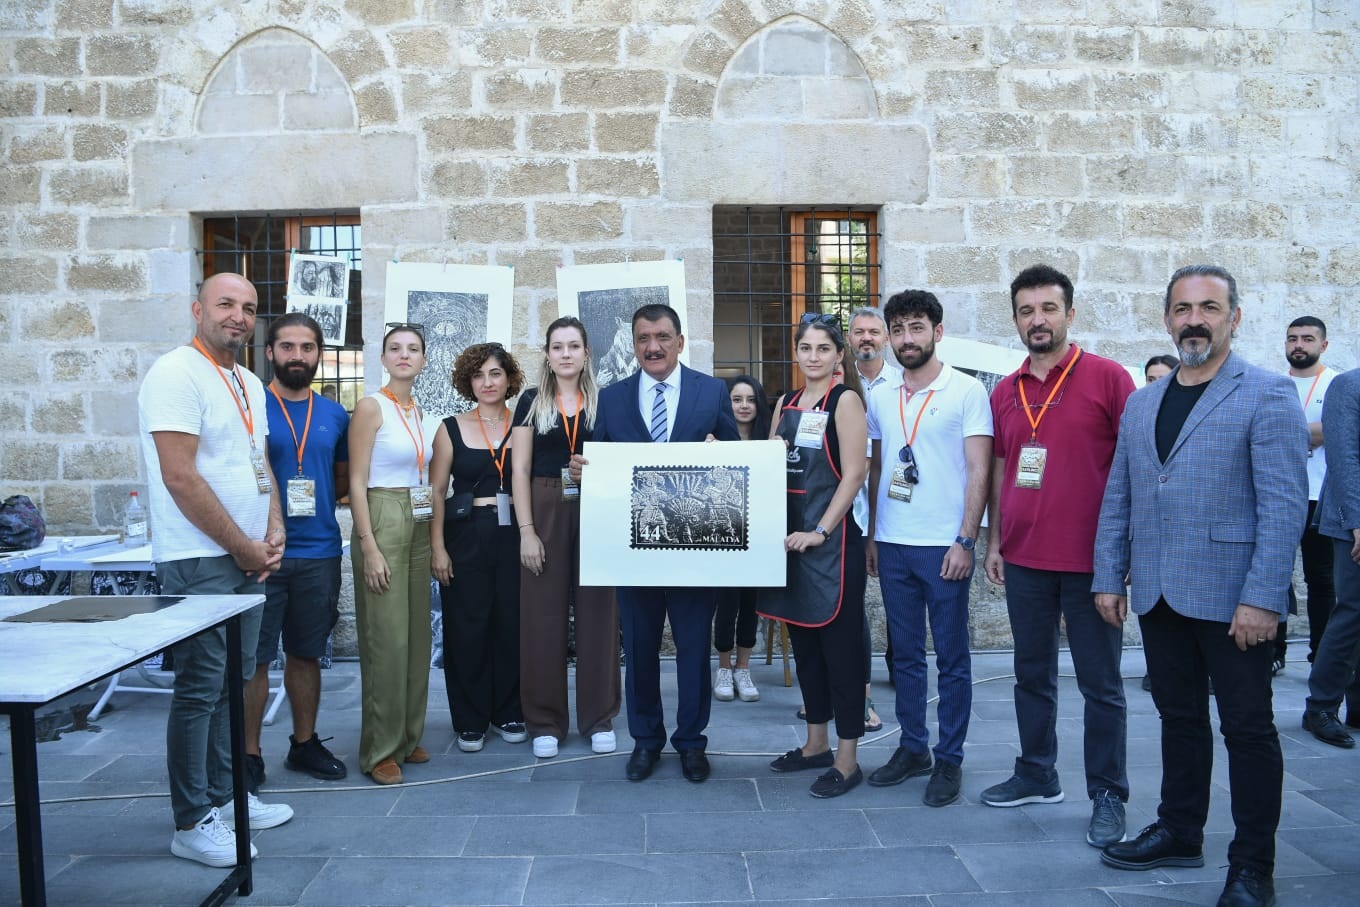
point(1056, 420)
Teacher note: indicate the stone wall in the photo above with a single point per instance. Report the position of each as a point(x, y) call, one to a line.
point(1116, 139)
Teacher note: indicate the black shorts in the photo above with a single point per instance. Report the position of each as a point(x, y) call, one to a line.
point(302, 599)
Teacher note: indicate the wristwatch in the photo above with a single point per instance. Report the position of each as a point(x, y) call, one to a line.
point(964, 542)
point(820, 530)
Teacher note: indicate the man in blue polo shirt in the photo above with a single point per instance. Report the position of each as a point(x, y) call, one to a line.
point(308, 453)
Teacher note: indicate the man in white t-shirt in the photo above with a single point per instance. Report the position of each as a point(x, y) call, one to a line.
point(218, 530)
point(931, 442)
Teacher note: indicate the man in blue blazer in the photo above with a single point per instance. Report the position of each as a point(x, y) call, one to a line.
point(1204, 506)
point(663, 402)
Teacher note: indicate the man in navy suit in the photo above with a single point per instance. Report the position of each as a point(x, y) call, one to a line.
point(663, 402)
point(1203, 509)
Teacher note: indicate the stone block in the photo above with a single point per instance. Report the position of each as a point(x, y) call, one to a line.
point(632, 253)
point(987, 132)
point(469, 133)
point(625, 132)
point(1198, 91)
point(760, 98)
point(116, 414)
point(617, 178)
point(1291, 179)
point(521, 89)
point(578, 224)
point(100, 365)
point(1223, 175)
point(29, 461)
point(609, 12)
point(106, 274)
point(170, 272)
point(1051, 89)
point(691, 98)
point(1028, 44)
point(436, 93)
point(238, 114)
point(1060, 176)
point(358, 54)
point(709, 52)
point(1174, 47)
point(156, 12)
point(955, 266)
point(558, 132)
point(1192, 132)
point(457, 179)
point(746, 61)
point(121, 54)
point(492, 48)
point(83, 15)
point(1008, 219)
point(20, 185)
point(18, 99)
point(604, 89)
point(968, 176)
point(794, 49)
point(1303, 265)
point(1064, 258)
point(527, 178)
point(19, 370)
point(1091, 132)
point(1129, 90)
point(1249, 220)
point(1124, 265)
point(1288, 91)
point(47, 56)
point(57, 321)
point(425, 47)
point(486, 223)
point(77, 99)
point(274, 67)
point(959, 88)
point(28, 274)
point(1103, 45)
point(98, 142)
point(376, 104)
point(1132, 174)
point(653, 46)
point(920, 225)
point(1240, 49)
point(83, 461)
point(1343, 266)
point(156, 323)
point(381, 12)
point(534, 268)
point(57, 414)
point(129, 100)
point(839, 99)
point(664, 223)
point(1310, 136)
point(320, 110)
point(577, 46)
point(420, 225)
point(735, 19)
point(1307, 50)
point(69, 507)
point(1166, 220)
point(1325, 223)
point(12, 421)
point(31, 144)
point(1087, 221)
point(940, 44)
point(48, 231)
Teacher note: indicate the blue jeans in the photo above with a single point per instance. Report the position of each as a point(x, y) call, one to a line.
point(909, 576)
point(198, 731)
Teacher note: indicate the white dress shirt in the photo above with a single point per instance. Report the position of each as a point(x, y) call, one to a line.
point(647, 398)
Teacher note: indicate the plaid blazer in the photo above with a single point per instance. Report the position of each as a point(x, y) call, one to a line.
point(1216, 524)
point(1338, 506)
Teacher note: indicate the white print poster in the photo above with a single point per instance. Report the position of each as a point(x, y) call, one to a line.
point(685, 514)
point(458, 305)
point(986, 362)
point(328, 313)
point(605, 297)
point(318, 285)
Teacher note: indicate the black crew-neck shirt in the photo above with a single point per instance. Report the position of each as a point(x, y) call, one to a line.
point(1176, 406)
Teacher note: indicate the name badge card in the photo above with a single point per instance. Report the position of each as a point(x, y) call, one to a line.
point(570, 490)
point(899, 487)
point(502, 509)
point(257, 463)
point(811, 428)
point(1029, 471)
point(301, 496)
point(422, 503)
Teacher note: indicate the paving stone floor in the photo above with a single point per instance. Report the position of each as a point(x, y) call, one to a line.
point(499, 827)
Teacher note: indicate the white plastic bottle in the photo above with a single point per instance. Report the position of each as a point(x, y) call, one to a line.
point(134, 522)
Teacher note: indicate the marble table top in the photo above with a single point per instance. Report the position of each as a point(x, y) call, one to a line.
point(41, 661)
point(13, 561)
point(112, 555)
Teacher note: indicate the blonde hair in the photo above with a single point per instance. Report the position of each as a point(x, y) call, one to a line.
point(543, 413)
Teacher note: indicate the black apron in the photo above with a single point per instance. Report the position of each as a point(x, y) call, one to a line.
point(816, 578)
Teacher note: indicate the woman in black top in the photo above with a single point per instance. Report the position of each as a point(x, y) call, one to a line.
point(551, 423)
point(481, 605)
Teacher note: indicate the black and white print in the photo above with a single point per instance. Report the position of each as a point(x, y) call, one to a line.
point(330, 315)
point(453, 322)
point(703, 507)
point(608, 317)
point(319, 277)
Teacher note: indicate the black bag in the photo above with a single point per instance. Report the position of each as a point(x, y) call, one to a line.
point(458, 507)
point(21, 525)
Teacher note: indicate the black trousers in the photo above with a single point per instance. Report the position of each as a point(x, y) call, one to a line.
point(736, 619)
point(1316, 550)
point(1183, 654)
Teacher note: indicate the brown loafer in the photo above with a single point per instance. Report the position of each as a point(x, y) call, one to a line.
point(418, 756)
point(386, 772)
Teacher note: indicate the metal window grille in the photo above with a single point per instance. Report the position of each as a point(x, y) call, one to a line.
point(260, 248)
point(773, 264)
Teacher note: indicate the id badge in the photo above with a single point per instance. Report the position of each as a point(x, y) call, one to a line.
point(1029, 471)
point(570, 490)
point(899, 489)
point(502, 509)
point(422, 503)
point(301, 496)
point(811, 427)
point(257, 463)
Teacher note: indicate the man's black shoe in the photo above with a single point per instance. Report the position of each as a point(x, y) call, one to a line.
point(833, 783)
point(1247, 887)
point(795, 761)
point(254, 772)
point(1154, 846)
point(1325, 727)
point(641, 763)
point(694, 765)
point(943, 788)
point(904, 764)
point(312, 757)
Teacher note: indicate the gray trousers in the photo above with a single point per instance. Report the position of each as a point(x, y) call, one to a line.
point(1338, 652)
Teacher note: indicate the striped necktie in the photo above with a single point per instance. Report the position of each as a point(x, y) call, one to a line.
point(659, 413)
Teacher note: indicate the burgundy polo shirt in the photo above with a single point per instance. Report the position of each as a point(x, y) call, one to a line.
point(1053, 527)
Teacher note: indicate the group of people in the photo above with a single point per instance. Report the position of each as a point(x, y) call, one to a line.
point(1184, 500)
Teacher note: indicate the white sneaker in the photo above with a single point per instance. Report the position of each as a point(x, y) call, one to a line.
point(545, 747)
point(262, 815)
point(722, 685)
point(210, 842)
point(603, 742)
point(746, 687)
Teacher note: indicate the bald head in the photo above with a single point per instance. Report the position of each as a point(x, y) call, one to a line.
point(225, 314)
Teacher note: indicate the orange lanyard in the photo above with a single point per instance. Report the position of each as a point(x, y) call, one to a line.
point(505, 448)
point(1035, 420)
point(417, 436)
point(902, 413)
point(247, 417)
point(300, 446)
point(1309, 399)
point(570, 427)
point(821, 405)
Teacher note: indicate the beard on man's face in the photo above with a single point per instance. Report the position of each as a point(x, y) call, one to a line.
point(295, 375)
point(1303, 359)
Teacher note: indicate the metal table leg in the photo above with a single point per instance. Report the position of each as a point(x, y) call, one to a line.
point(28, 825)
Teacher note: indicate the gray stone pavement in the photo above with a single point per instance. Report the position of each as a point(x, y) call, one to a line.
point(499, 827)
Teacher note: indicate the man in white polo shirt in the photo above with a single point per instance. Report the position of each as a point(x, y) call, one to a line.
point(931, 438)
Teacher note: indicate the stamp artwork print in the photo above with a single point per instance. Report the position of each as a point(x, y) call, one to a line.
point(682, 507)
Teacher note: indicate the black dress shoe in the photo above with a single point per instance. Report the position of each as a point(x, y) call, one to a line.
point(641, 763)
point(943, 788)
point(795, 761)
point(1154, 846)
point(833, 783)
point(1325, 727)
point(694, 765)
point(1247, 887)
point(904, 764)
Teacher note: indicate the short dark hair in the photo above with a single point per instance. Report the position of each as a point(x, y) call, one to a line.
point(474, 357)
point(655, 311)
point(292, 319)
point(1042, 276)
point(1310, 321)
point(1169, 361)
point(913, 302)
point(1202, 271)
